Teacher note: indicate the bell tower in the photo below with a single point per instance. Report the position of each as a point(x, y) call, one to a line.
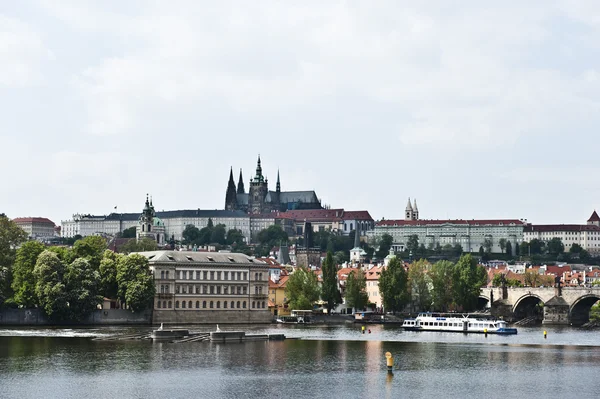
point(259, 188)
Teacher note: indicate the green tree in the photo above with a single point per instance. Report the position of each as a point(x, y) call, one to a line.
point(91, 248)
point(595, 313)
point(531, 278)
point(133, 282)
point(129, 233)
point(502, 242)
point(236, 237)
point(385, 244)
point(467, 282)
point(393, 286)
point(517, 249)
point(412, 244)
point(11, 236)
point(524, 248)
point(330, 293)
point(23, 283)
point(419, 284)
point(488, 245)
point(302, 289)
point(108, 274)
point(537, 247)
point(555, 246)
point(145, 244)
point(49, 287)
point(81, 283)
point(442, 273)
point(457, 249)
point(140, 293)
point(217, 235)
point(356, 290)
point(340, 257)
point(272, 236)
point(509, 248)
point(191, 235)
point(210, 224)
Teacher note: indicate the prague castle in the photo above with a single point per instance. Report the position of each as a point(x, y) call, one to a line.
point(260, 200)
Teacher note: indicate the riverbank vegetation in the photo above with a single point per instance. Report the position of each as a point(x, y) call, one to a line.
point(69, 283)
point(441, 286)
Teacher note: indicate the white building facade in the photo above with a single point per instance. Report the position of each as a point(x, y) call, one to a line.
point(585, 235)
point(470, 234)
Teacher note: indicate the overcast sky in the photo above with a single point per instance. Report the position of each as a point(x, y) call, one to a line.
point(479, 109)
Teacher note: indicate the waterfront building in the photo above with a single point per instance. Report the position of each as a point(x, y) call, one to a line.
point(277, 298)
point(372, 274)
point(586, 235)
point(209, 287)
point(260, 200)
point(36, 227)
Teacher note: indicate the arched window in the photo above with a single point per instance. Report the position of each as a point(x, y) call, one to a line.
point(203, 304)
point(165, 304)
point(190, 304)
point(162, 274)
point(143, 227)
point(351, 227)
point(225, 304)
point(176, 304)
point(218, 304)
point(244, 305)
point(256, 276)
point(263, 304)
point(211, 304)
point(260, 276)
point(158, 305)
point(256, 289)
point(162, 289)
point(232, 305)
point(170, 304)
point(183, 304)
point(238, 304)
point(197, 304)
point(253, 304)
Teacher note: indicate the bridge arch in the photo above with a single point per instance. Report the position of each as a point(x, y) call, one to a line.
point(579, 311)
point(483, 301)
point(528, 305)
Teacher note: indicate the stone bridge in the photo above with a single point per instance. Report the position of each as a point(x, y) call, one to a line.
point(552, 305)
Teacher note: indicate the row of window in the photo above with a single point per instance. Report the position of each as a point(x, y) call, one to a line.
point(211, 305)
point(211, 275)
point(211, 289)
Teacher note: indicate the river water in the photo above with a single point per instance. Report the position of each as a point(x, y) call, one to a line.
point(325, 362)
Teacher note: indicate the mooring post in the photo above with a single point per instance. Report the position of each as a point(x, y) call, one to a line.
point(389, 362)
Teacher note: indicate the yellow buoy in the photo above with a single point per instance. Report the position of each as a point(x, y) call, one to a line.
point(485, 331)
point(389, 361)
point(545, 333)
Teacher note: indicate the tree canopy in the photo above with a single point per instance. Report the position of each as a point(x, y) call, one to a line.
point(23, 283)
point(419, 283)
point(467, 282)
point(356, 290)
point(393, 286)
point(302, 289)
point(330, 293)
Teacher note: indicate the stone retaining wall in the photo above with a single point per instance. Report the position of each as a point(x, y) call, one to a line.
point(211, 317)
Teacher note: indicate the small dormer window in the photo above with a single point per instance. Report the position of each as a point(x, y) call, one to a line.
point(210, 258)
point(231, 259)
point(170, 257)
point(189, 258)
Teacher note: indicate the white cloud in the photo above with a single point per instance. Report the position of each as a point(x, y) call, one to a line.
point(22, 53)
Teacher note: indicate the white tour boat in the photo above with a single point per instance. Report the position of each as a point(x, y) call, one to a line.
point(456, 323)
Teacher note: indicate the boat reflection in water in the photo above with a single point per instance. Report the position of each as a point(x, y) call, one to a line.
point(452, 323)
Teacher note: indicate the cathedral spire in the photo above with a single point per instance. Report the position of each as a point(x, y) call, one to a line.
point(278, 186)
point(259, 176)
point(230, 195)
point(240, 186)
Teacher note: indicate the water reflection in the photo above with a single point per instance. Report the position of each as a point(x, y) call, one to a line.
point(32, 367)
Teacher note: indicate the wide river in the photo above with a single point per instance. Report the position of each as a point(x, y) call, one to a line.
point(325, 362)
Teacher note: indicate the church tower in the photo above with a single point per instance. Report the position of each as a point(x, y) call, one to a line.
point(408, 212)
point(415, 211)
point(240, 186)
point(150, 226)
point(231, 196)
point(259, 189)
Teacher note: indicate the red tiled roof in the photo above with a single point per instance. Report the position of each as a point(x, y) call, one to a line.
point(558, 270)
point(357, 215)
point(33, 220)
point(424, 222)
point(280, 284)
point(374, 273)
point(594, 217)
point(559, 227)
